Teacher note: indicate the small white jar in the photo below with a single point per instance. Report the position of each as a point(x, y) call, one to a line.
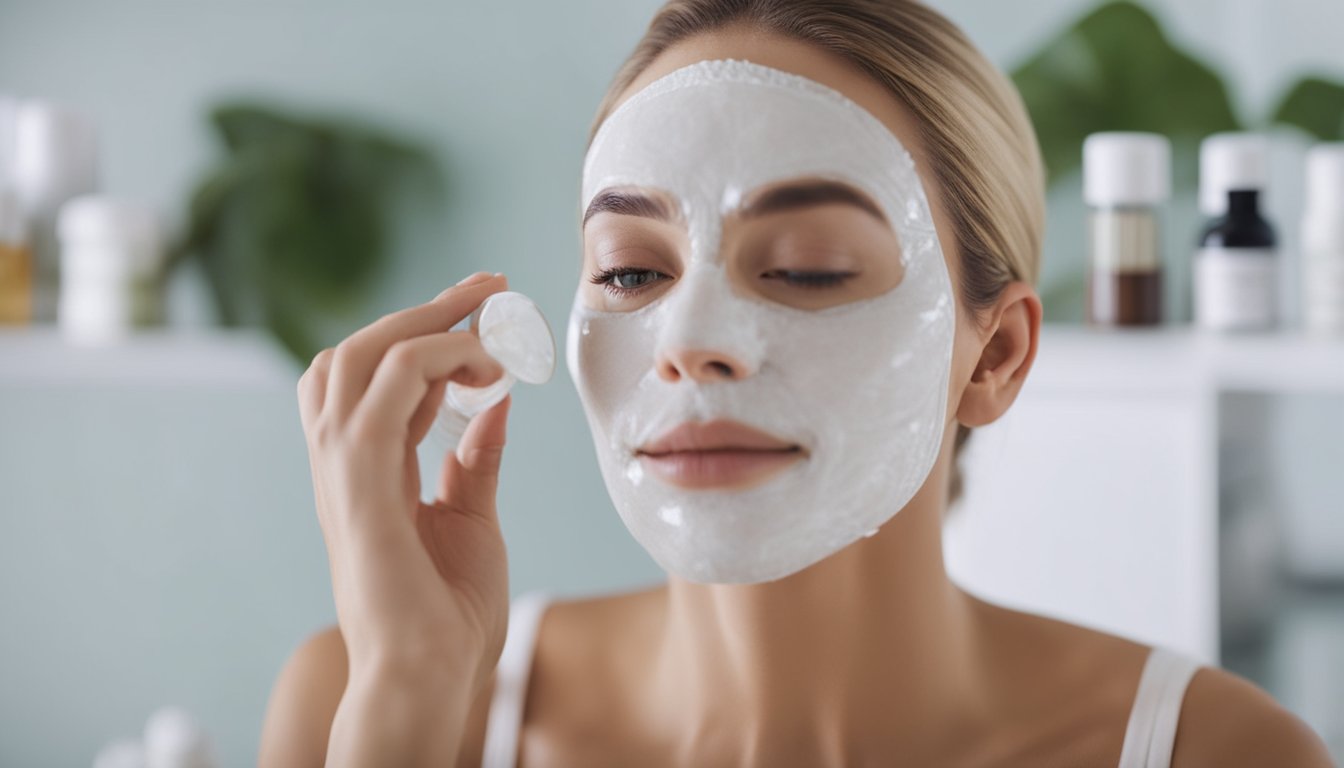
point(111, 252)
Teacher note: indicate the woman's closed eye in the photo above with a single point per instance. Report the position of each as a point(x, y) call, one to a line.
point(808, 279)
point(624, 281)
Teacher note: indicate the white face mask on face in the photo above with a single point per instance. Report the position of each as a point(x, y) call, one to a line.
point(861, 387)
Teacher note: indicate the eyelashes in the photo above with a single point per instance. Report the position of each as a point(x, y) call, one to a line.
point(626, 281)
point(805, 279)
point(616, 280)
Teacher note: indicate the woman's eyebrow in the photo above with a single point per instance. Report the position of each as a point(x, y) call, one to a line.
point(628, 203)
point(808, 194)
point(781, 198)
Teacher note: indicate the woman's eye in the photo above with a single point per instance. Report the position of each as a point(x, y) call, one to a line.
point(803, 279)
point(625, 280)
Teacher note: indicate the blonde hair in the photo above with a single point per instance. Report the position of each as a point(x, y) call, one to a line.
point(979, 140)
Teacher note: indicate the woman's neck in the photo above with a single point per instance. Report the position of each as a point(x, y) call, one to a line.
point(841, 653)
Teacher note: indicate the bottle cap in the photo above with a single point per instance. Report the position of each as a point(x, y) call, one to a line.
point(55, 155)
point(1121, 168)
point(1227, 162)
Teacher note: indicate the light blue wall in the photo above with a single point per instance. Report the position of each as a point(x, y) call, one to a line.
point(504, 92)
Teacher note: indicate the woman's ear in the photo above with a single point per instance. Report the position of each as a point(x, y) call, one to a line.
point(1009, 337)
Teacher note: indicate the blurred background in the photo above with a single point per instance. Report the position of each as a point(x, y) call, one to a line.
point(196, 197)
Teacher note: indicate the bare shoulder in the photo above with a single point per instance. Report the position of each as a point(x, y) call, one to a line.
point(306, 695)
point(586, 666)
point(575, 652)
point(303, 703)
point(1225, 720)
point(1228, 721)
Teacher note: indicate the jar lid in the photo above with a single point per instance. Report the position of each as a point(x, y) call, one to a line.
point(1126, 168)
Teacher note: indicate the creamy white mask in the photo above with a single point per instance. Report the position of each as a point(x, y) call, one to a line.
point(861, 386)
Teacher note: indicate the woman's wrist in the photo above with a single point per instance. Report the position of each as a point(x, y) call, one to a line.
point(397, 713)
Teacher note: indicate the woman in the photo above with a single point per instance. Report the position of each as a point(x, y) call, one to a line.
point(810, 233)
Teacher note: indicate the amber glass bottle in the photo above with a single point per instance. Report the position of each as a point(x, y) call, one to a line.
point(16, 263)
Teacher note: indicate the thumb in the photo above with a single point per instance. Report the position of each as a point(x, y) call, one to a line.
point(470, 474)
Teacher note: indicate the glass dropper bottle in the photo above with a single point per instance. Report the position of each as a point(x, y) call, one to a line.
point(1126, 181)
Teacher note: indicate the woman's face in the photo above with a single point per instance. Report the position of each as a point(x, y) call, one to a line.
point(763, 336)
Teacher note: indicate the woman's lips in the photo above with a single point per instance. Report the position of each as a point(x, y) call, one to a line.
point(721, 454)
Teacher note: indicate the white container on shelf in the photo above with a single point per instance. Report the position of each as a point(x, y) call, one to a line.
point(55, 159)
point(1323, 241)
point(111, 252)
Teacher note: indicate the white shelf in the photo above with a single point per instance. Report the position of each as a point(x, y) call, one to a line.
point(206, 357)
point(1070, 358)
point(1185, 359)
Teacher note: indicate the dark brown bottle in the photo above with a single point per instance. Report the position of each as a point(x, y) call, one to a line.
point(1125, 272)
point(1126, 180)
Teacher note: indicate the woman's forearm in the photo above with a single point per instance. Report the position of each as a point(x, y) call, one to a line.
point(401, 717)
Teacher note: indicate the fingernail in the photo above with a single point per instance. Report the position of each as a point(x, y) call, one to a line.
point(473, 278)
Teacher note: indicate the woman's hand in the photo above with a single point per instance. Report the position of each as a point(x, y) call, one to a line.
point(420, 589)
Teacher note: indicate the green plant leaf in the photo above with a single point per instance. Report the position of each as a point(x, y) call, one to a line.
point(293, 222)
point(1115, 70)
point(1315, 105)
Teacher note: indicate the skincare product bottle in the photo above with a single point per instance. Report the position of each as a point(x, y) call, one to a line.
point(1236, 265)
point(16, 257)
point(1323, 241)
point(1126, 181)
point(110, 255)
point(16, 262)
point(55, 160)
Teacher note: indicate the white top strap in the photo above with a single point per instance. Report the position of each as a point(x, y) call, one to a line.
point(505, 719)
point(1151, 732)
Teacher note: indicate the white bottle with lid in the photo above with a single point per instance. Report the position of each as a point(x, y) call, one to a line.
point(110, 254)
point(55, 160)
point(1236, 269)
point(1323, 241)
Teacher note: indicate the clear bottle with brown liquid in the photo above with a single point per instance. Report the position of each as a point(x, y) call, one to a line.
point(16, 263)
point(1126, 182)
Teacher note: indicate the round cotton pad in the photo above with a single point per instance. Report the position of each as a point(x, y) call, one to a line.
point(515, 333)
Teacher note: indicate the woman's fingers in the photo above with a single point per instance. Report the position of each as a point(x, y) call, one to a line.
point(470, 474)
point(423, 420)
point(408, 371)
point(313, 387)
point(355, 359)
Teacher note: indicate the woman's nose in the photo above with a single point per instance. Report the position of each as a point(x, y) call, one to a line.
point(699, 365)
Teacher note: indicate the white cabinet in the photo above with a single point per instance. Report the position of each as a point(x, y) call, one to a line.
point(158, 543)
point(1096, 499)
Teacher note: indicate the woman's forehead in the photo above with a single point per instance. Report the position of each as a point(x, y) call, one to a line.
point(715, 133)
point(798, 57)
